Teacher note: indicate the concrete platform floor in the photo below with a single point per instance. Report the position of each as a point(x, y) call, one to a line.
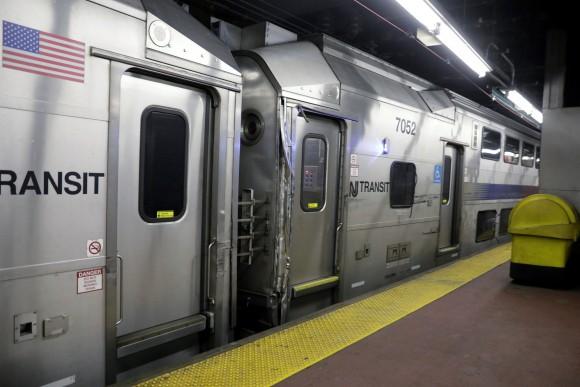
point(490, 332)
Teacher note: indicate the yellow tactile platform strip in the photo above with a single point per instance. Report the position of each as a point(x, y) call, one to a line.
point(273, 358)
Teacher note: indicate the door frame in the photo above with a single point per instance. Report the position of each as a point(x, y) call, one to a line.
point(457, 196)
point(300, 111)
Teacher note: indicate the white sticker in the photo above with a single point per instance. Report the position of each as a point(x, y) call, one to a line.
point(89, 280)
point(354, 159)
point(94, 247)
point(416, 267)
point(62, 382)
point(354, 171)
point(357, 284)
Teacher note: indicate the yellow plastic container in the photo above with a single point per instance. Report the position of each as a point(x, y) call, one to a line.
point(543, 229)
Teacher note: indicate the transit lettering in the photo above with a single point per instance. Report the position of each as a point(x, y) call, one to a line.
point(45, 183)
point(368, 186)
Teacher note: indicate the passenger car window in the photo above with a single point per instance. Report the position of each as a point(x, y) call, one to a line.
point(511, 153)
point(490, 144)
point(538, 157)
point(485, 225)
point(403, 181)
point(163, 178)
point(528, 155)
point(312, 197)
point(504, 216)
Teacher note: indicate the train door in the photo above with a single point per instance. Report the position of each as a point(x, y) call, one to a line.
point(160, 209)
point(450, 198)
point(312, 248)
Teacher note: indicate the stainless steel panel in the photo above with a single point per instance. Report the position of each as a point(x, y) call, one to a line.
point(318, 83)
point(361, 80)
point(175, 32)
point(447, 208)
point(265, 34)
point(258, 170)
point(77, 353)
point(38, 228)
point(313, 233)
point(161, 260)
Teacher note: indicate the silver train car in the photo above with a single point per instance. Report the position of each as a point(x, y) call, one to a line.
point(159, 192)
point(362, 174)
point(118, 175)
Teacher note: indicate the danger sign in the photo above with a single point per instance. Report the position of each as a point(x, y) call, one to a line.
point(94, 248)
point(89, 280)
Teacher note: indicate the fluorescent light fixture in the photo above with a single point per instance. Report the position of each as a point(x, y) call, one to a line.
point(524, 105)
point(436, 24)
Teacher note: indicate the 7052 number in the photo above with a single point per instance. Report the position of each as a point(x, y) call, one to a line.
point(406, 126)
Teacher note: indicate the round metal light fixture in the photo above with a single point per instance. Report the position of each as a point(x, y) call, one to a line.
point(160, 33)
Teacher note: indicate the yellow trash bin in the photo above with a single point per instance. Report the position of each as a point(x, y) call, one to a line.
point(543, 228)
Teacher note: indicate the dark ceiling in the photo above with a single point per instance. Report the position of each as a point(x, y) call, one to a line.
point(516, 28)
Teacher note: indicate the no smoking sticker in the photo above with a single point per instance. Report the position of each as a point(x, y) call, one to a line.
point(95, 247)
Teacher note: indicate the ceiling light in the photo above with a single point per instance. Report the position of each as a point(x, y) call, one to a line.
point(436, 24)
point(524, 105)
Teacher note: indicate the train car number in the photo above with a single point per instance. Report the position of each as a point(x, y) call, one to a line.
point(406, 126)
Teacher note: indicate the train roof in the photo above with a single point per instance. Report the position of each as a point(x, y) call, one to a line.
point(377, 78)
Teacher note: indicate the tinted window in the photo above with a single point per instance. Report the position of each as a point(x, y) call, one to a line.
point(504, 217)
point(403, 180)
point(490, 144)
point(446, 180)
point(485, 225)
point(528, 155)
point(538, 157)
point(511, 152)
point(313, 173)
point(163, 165)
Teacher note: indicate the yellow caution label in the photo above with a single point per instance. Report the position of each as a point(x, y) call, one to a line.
point(165, 214)
point(312, 205)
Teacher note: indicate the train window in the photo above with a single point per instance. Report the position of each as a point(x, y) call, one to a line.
point(538, 157)
point(312, 197)
point(485, 225)
point(446, 181)
point(504, 217)
point(490, 144)
point(527, 155)
point(162, 180)
point(403, 181)
point(511, 152)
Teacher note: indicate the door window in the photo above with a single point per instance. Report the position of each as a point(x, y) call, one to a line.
point(446, 181)
point(403, 181)
point(162, 184)
point(312, 197)
point(537, 157)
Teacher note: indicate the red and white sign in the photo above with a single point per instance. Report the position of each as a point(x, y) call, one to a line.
point(90, 280)
point(94, 248)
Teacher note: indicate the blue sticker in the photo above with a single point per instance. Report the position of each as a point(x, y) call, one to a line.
point(437, 172)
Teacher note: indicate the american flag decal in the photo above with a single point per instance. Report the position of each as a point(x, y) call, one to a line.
point(42, 53)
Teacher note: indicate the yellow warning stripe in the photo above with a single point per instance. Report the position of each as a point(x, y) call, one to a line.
point(273, 358)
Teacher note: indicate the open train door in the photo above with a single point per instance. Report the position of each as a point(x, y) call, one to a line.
point(451, 200)
point(314, 214)
point(160, 212)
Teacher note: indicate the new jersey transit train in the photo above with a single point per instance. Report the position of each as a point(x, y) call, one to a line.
point(159, 190)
